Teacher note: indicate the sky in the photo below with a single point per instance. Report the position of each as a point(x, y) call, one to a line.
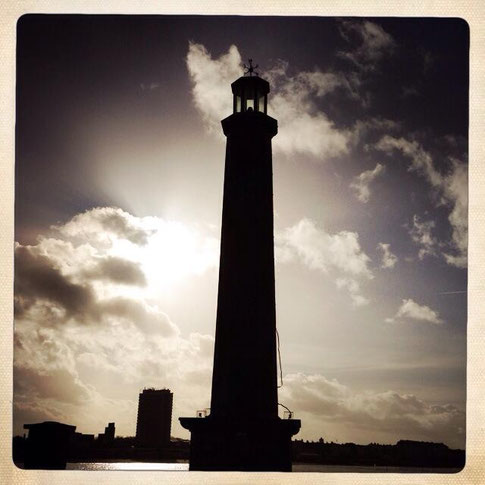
point(119, 176)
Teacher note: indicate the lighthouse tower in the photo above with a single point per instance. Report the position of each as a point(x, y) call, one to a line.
point(243, 430)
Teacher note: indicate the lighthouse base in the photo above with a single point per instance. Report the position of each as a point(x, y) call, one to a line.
point(232, 444)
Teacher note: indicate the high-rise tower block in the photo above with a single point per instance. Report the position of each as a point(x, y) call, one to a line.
point(154, 419)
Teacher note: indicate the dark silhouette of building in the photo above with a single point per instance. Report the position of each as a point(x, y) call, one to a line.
point(47, 445)
point(154, 418)
point(404, 453)
point(243, 430)
point(81, 445)
point(109, 434)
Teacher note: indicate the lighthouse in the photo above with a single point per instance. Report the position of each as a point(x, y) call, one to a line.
point(243, 430)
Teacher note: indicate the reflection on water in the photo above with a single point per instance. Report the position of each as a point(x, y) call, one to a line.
point(297, 467)
point(129, 465)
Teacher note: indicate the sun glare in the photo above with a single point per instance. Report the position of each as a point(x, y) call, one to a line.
point(173, 253)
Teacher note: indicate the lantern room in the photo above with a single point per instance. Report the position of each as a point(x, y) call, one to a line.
point(250, 94)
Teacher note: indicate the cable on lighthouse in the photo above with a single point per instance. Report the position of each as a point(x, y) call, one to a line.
point(279, 358)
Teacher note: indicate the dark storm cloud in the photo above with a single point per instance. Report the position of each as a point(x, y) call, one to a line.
point(117, 270)
point(37, 278)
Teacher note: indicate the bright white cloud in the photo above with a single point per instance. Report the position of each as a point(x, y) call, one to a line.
point(88, 334)
point(373, 43)
point(452, 187)
point(302, 127)
point(321, 250)
point(211, 82)
point(389, 259)
point(339, 253)
point(164, 251)
point(409, 309)
point(361, 183)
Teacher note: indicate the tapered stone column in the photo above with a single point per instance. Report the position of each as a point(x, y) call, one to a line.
point(243, 430)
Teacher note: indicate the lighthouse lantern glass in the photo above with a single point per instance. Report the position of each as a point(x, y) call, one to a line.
point(250, 96)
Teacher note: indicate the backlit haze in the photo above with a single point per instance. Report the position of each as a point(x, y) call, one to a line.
point(119, 176)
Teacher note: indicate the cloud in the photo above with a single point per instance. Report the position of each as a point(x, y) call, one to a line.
point(93, 374)
point(364, 130)
point(409, 91)
point(39, 278)
point(455, 187)
point(340, 253)
point(421, 160)
point(409, 309)
point(149, 86)
point(107, 223)
point(148, 318)
point(117, 270)
point(371, 43)
point(321, 250)
point(389, 259)
point(211, 82)
point(44, 368)
point(328, 407)
point(362, 182)
point(88, 371)
point(303, 128)
point(88, 333)
point(353, 288)
point(452, 188)
point(86, 276)
point(112, 245)
point(421, 234)
point(44, 294)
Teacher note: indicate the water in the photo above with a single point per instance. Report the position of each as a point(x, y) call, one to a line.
point(297, 467)
point(129, 465)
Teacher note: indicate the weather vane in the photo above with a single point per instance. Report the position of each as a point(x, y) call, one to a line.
point(250, 69)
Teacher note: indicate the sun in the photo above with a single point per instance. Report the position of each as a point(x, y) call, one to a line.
point(174, 252)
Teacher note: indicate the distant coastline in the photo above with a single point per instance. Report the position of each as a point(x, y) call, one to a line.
point(308, 456)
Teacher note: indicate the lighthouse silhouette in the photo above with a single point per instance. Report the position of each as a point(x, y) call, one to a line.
point(243, 430)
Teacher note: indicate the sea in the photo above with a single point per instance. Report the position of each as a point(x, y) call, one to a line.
point(297, 467)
